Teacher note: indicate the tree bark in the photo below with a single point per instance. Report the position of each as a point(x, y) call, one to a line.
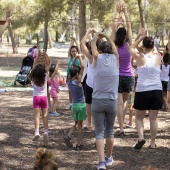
point(50, 40)
point(142, 14)
point(14, 44)
point(82, 18)
point(46, 34)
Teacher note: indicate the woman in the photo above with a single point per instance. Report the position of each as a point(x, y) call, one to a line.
point(123, 38)
point(104, 97)
point(148, 94)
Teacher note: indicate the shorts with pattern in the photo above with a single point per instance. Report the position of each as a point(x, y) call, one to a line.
point(126, 84)
point(79, 111)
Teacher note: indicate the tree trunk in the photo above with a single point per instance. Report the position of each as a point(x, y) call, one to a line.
point(142, 14)
point(14, 44)
point(46, 34)
point(73, 20)
point(82, 18)
point(37, 37)
point(50, 40)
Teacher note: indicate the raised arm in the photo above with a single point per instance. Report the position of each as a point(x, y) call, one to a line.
point(114, 26)
point(169, 41)
point(47, 62)
point(94, 48)
point(8, 21)
point(71, 44)
point(56, 70)
point(77, 44)
point(129, 29)
point(114, 49)
point(82, 68)
point(84, 48)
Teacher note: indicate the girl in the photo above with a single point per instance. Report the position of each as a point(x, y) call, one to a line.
point(123, 38)
point(78, 105)
point(54, 77)
point(39, 77)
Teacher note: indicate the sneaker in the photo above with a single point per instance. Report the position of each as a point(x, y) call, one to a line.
point(54, 114)
point(67, 140)
point(45, 138)
point(109, 161)
point(139, 145)
point(101, 166)
point(80, 147)
point(36, 137)
point(68, 107)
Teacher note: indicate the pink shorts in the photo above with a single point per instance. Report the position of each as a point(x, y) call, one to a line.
point(53, 93)
point(40, 102)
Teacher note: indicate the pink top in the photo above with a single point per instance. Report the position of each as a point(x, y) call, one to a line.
point(54, 83)
point(41, 90)
point(125, 67)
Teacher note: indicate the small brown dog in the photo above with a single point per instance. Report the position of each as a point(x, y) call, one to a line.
point(45, 160)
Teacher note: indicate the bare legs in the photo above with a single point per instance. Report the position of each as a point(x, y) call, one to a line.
point(89, 116)
point(153, 124)
point(122, 107)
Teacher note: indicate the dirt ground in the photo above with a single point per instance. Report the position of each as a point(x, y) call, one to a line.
point(17, 150)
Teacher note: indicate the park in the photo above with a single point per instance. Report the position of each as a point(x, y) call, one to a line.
point(51, 27)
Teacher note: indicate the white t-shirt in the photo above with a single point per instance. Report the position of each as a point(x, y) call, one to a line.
point(41, 90)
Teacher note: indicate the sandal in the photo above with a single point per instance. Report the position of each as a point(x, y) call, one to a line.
point(120, 134)
point(152, 147)
point(140, 144)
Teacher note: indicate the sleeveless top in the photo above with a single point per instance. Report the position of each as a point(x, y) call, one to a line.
point(90, 70)
point(77, 63)
point(165, 73)
point(106, 77)
point(149, 75)
point(40, 90)
point(76, 91)
point(85, 63)
point(125, 67)
point(54, 83)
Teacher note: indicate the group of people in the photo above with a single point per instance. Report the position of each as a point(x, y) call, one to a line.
point(100, 77)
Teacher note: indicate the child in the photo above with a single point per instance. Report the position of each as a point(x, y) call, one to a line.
point(54, 77)
point(39, 77)
point(72, 52)
point(45, 160)
point(78, 105)
point(165, 78)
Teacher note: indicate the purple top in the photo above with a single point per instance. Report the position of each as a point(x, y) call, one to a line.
point(125, 68)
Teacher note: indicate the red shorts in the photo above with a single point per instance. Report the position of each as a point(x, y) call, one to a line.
point(40, 102)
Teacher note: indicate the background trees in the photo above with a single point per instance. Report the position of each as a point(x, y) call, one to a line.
point(56, 20)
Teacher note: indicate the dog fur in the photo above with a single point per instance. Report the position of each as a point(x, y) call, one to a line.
point(45, 160)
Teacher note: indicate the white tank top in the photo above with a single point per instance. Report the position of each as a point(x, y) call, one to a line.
point(89, 80)
point(149, 75)
point(165, 73)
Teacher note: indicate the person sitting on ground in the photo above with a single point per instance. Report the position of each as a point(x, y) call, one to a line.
point(78, 105)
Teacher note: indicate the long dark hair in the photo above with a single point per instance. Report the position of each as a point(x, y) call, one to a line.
point(105, 47)
point(121, 37)
point(37, 75)
point(51, 70)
